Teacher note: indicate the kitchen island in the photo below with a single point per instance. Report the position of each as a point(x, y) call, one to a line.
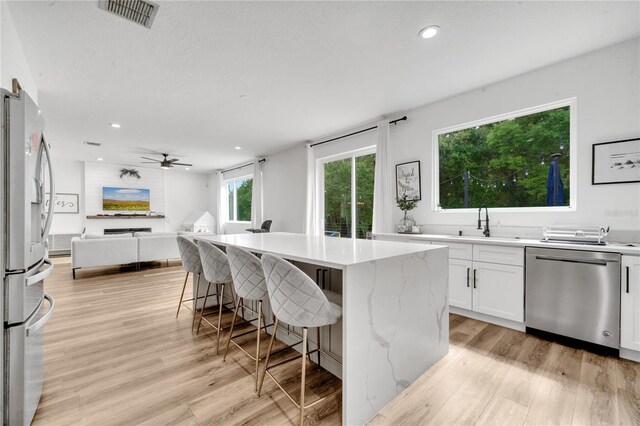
point(395, 322)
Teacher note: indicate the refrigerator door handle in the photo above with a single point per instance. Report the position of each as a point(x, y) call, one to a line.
point(42, 321)
point(36, 278)
point(52, 192)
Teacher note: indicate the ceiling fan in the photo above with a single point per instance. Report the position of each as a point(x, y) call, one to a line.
point(166, 163)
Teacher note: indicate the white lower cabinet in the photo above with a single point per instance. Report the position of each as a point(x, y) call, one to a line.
point(498, 290)
point(630, 303)
point(493, 288)
point(460, 293)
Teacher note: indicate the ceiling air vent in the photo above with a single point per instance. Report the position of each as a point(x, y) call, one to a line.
point(138, 11)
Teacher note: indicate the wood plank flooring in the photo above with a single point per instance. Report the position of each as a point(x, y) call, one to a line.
point(116, 354)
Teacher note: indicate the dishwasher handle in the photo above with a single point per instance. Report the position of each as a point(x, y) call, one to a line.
point(599, 262)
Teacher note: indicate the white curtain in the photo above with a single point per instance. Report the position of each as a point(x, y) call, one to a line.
point(310, 218)
point(256, 196)
point(223, 207)
point(383, 185)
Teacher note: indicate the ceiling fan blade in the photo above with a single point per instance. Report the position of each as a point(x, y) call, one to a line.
point(173, 160)
point(182, 164)
point(147, 158)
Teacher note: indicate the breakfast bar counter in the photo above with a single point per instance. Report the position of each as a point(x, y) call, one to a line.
point(395, 321)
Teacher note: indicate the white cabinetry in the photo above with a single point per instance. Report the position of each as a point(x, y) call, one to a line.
point(460, 283)
point(498, 290)
point(487, 279)
point(630, 303)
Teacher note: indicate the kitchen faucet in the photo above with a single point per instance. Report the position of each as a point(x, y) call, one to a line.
point(486, 231)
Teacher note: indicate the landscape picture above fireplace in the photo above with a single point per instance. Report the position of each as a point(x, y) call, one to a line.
point(125, 199)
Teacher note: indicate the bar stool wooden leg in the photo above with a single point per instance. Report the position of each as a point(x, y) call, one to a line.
point(304, 373)
point(204, 304)
point(255, 389)
point(318, 343)
point(266, 362)
point(195, 301)
point(233, 323)
point(220, 301)
point(182, 294)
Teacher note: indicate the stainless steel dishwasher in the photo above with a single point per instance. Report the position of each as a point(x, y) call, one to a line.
point(574, 293)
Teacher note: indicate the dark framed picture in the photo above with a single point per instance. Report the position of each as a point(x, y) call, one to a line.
point(408, 180)
point(615, 162)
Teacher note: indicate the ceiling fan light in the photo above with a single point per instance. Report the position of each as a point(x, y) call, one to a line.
point(165, 167)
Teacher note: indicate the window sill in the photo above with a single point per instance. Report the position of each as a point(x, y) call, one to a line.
point(568, 209)
point(239, 222)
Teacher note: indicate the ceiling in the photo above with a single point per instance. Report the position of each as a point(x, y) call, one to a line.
point(209, 76)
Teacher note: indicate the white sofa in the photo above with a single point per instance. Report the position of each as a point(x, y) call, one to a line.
point(101, 250)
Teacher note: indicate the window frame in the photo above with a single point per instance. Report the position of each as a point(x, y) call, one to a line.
point(320, 162)
point(235, 197)
point(573, 160)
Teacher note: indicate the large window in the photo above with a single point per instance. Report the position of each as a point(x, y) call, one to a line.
point(518, 161)
point(239, 194)
point(347, 201)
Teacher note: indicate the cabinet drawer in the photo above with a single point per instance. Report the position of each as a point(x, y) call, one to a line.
point(498, 254)
point(457, 250)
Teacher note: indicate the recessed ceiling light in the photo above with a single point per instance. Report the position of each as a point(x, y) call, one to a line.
point(237, 147)
point(430, 31)
point(99, 158)
point(187, 168)
point(114, 125)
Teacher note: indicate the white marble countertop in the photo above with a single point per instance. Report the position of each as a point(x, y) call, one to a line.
point(515, 242)
point(326, 251)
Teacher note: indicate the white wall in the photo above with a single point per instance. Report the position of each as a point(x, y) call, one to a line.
point(12, 61)
point(284, 189)
point(184, 193)
point(175, 193)
point(606, 84)
point(69, 177)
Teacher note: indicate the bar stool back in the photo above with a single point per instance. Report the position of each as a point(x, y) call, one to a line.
point(297, 300)
point(215, 267)
point(190, 256)
point(249, 284)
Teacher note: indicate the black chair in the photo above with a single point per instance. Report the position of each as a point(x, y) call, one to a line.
point(266, 227)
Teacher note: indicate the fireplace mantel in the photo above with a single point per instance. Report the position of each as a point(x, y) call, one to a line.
point(138, 216)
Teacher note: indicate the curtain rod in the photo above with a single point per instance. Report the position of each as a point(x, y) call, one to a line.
point(244, 165)
point(359, 131)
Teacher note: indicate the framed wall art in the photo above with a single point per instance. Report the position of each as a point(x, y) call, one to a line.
point(408, 180)
point(64, 203)
point(615, 162)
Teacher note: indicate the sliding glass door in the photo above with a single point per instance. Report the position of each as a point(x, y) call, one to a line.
point(346, 193)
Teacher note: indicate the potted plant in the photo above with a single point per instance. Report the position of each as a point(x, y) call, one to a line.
point(406, 204)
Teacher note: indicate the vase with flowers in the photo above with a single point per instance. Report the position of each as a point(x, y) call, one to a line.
point(406, 205)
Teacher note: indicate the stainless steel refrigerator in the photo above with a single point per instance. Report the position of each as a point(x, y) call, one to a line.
point(27, 178)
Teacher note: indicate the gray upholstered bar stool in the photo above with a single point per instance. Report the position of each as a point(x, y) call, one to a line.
point(298, 301)
point(249, 283)
point(190, 256)
point(215, 267)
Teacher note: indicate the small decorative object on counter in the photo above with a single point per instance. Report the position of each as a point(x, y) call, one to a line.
point(407, 224)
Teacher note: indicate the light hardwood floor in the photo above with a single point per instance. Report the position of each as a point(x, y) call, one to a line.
point(115, 354)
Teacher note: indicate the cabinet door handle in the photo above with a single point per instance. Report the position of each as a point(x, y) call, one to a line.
point(468, 269)
point(627, 279)
point(475, 272)
point(324, 278)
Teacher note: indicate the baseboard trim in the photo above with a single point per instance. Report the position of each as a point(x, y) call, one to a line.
point(630, 354)
point(487, 318)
